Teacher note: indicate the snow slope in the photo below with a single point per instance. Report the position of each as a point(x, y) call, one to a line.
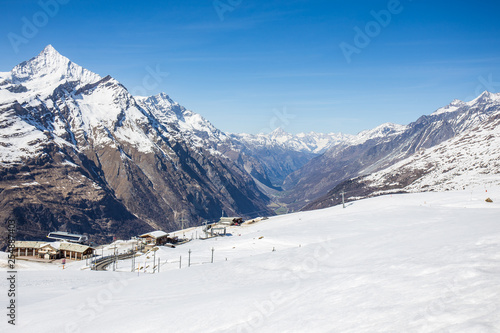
point(470, 159)
point(378, 149)
point(184, 124)
point(425, 262)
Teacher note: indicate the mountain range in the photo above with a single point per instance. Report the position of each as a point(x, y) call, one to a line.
point(79, 153)
point(455, 148)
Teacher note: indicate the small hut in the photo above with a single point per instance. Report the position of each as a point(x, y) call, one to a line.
point(49, 251)
point(155, 237)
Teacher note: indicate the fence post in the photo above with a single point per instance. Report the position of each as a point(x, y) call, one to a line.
point(154, 261)
point(213, 255)
point(189, 258)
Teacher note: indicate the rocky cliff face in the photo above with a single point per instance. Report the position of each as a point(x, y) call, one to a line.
point(79, 153)
point(48, 193)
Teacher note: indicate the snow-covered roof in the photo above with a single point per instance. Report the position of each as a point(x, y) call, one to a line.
point(73, 247)
point(54, 245)
point(155, 234)
point(28, 244)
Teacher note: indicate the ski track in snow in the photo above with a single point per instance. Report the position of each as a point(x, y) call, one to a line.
point(426, 262)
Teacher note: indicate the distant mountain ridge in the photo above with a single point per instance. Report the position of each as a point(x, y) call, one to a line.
point(316, 143)
point(281, 153)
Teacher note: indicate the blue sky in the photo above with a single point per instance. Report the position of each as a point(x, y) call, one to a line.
point(248, 66)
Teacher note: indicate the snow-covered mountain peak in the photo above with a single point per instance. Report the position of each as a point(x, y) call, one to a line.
point(486, 97)
point(163, 107)
point(193, 127)
point(455, 105)
point(384, 130)
point(160, 99)
point(107, 161)
point(390, 127)
point(50, 52)
point(278, 132)
point(457, 102)
point(280, 135)
point(452, 107)
point(48, 70)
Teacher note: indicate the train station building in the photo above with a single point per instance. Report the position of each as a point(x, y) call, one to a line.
point(52, 250)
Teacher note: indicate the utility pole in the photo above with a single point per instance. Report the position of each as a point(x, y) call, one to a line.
point(343, 202)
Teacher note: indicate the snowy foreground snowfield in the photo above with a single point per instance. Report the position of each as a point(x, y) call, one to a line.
point(427, 262)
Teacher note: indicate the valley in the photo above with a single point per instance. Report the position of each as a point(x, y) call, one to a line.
point(80, 154)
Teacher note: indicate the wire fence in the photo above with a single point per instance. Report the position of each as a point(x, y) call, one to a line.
point(152, 264)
